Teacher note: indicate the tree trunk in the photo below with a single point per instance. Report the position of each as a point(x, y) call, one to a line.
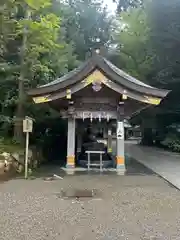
point(20, 112)
point(18, 127)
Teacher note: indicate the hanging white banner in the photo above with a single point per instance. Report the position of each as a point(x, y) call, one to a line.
point(96, 115)
point(120, 130)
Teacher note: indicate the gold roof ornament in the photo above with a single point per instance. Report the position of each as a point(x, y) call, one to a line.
point(68, 94)
point(153, 100)
point(94, 77)
point(124, 95)
point(42, 99)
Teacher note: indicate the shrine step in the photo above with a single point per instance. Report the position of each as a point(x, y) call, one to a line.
point(95, 164)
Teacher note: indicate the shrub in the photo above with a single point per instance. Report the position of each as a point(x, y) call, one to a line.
point(172, 142)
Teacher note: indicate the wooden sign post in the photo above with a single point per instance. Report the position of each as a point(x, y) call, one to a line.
point(27, 128)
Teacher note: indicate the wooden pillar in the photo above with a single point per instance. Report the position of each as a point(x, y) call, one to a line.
point(109, 141)
point(120, 156)
point(71, 143)
point(78, 135)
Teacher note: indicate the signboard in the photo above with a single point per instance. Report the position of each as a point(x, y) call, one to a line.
point(27, 128)
point(120, 130)
point(27, 125)
point(109, 132)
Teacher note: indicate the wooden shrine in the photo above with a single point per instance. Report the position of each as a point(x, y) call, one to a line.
point(97, 92)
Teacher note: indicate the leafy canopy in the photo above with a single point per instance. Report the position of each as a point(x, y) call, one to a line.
point(133, 41)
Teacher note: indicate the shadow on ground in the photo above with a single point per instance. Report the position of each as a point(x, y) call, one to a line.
point(132, 168)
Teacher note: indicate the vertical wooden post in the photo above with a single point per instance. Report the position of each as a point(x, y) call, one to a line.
point(26, 155)
point(71, 143)
point(120, 156)
point(79, 136)
point(109, 142)
point(89, 161)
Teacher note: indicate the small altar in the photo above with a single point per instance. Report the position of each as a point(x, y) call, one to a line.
point(97, 96)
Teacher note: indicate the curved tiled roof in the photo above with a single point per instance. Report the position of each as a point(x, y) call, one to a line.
point(125, 75)
point(66, 76)
point(111, 71)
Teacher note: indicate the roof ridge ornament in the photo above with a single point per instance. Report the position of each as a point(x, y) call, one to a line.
point(101, 50)
point(94, 52)
point(97, 85)
point(97, 51)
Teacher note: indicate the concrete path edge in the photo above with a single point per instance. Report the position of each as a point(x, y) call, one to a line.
point(170, 180)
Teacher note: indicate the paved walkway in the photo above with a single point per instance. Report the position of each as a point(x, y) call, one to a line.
point(164, 163)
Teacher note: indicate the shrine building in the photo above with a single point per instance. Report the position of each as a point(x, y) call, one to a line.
point(96, 97)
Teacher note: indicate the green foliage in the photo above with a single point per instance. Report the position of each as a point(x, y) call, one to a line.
point(40, 41)
point(7, 26)
point(37, 4)
point(43, 42)
point(165, 24)
point(9, 146)
point(45, 54)
point(172, 142)
point(84, 22)
point(60, 34)
point(133, 38)
point(123, 5)
point(148, 41)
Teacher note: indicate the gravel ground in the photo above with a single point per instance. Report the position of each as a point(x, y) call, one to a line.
point(129, 207)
